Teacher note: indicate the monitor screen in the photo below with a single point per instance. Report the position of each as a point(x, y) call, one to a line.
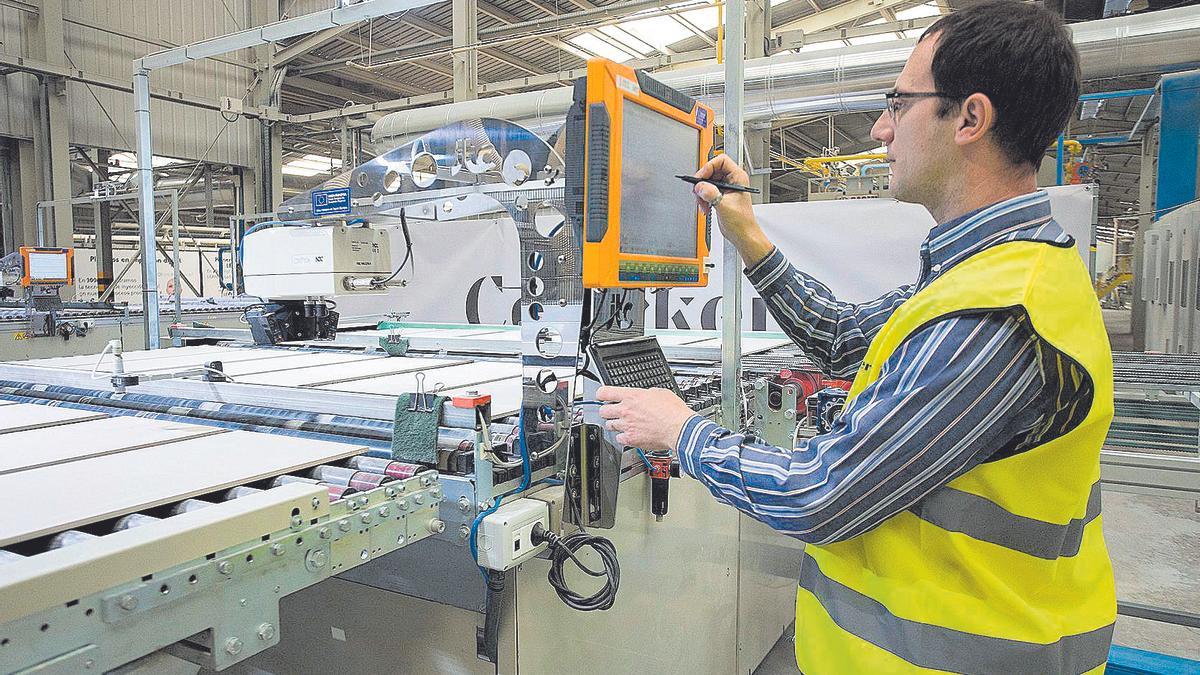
point(658, 211)
point(47, 266)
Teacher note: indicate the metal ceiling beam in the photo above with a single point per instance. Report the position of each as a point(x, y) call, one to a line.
point(588, 5)
point(492, 87)
point(357, 75)
point(370, 77)
point(838, 15)
point(651, 62)
point(797, 38)
point(889, 16)
point(526, 29)
point(323, 88)
point(356, 41)
point(509, 18)
point(695, 30)
point(274, 32)
point(308, 43)
point(439, 31)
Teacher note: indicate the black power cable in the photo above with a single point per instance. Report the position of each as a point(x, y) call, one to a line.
point(487, 638)
point(564, 548)
point(408, 249)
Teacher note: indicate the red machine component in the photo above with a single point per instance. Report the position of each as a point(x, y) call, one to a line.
point(660, 475)
point(471, 401)
point(807, 383)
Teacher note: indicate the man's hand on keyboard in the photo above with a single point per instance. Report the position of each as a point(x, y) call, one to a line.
point(650, 419)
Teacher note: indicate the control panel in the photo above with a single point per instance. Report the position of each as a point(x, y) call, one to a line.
point(635, 270)
point(634, 362)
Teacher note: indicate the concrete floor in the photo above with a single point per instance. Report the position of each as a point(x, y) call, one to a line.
point(1154, 543)
point(1116, 322)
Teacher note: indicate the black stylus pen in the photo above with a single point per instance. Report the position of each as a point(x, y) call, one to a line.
point(721, 185)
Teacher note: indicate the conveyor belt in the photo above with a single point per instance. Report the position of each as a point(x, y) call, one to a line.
point(1168, 371)
point(111, 485)
point(187, 306)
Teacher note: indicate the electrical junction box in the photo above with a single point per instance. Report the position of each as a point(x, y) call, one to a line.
point(294, 263)
point(505, 538)
point(232, 105)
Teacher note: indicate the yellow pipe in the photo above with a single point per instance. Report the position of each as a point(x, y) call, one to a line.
point(790, 162)
point(720, 32)
point(818, 164)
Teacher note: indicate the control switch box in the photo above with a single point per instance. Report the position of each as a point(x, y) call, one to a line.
point(505, 538)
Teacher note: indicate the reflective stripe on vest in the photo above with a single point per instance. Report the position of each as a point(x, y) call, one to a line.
point(929, 646)
point(982, 519)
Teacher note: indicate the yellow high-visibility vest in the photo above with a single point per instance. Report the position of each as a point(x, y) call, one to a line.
point(1004, 569)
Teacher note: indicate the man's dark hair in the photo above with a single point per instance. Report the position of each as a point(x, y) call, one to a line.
point(1020, 56)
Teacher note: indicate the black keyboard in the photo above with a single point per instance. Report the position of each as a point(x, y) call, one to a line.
point(634, 362)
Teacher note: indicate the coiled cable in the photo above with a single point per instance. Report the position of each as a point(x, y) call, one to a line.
point(564, 548)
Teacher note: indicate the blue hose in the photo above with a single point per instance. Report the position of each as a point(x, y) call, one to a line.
point(645, 460)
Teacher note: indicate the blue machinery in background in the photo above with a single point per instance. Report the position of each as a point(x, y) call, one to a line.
point(1179, 141)
point(1099, 140)
point(1130, 661)
point(1178, 179)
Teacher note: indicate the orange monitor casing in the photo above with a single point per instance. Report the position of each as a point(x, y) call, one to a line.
point(595, 131)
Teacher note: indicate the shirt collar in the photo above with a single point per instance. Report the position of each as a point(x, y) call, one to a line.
point(956, 238)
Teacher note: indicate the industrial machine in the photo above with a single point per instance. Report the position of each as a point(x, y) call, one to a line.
point(299, 267)
point(502, 464)
point(36, 322)
point(40, 273)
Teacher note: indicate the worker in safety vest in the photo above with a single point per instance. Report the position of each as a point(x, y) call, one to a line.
point(952, 514)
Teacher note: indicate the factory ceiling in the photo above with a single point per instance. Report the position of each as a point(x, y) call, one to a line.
point(531, 44)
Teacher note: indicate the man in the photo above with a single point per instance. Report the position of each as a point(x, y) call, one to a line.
point(952, 513)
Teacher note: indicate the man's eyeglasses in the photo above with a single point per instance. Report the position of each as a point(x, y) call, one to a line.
point(893, 97)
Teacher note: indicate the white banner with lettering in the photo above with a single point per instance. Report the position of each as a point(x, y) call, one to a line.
point(197, 267)
point(467, 272)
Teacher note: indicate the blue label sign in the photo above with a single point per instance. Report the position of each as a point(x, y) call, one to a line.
point(702, 116)
point(334, 202)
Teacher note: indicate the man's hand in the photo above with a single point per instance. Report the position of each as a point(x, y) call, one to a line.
point(734, 209)
point(650, 419)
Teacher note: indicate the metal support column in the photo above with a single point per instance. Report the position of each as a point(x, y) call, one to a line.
point(8, 235)
point(758, 137)
point(346, 138)
point(145, 176)
point(104, 250)
point(209, 221)
point(1146, 191)
point(266, 94)
point(45, 40)
point(465, 35)
point(178, 292)
point(27, 167)
point(731, 283)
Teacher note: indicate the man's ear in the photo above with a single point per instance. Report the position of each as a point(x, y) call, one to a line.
point(976, 117)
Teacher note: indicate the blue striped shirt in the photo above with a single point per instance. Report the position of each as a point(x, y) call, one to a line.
point(961, 391)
